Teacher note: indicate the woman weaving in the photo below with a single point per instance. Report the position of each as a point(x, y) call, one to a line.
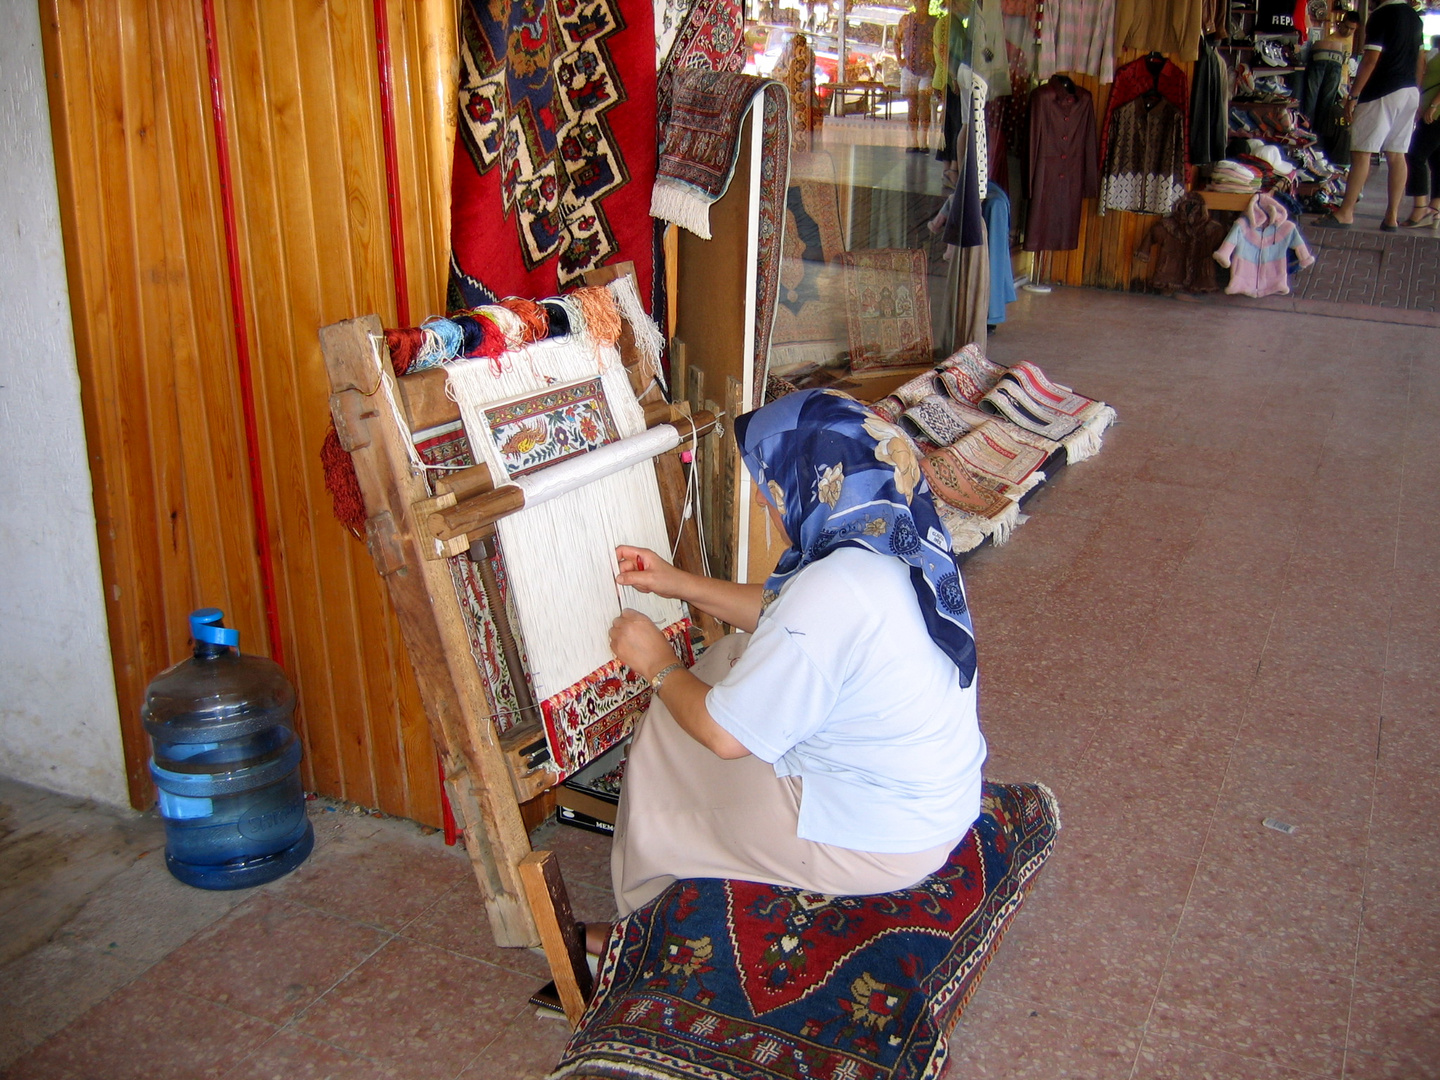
point(835, 747)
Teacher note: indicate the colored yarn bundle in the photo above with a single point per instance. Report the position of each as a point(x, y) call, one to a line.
point(600, 314)
point(346, 498)
point(483, 335)
point(403, 346)
point(534, 317)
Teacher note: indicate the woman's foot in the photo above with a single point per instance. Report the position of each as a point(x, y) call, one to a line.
point(597, 935)
point(1421, 218)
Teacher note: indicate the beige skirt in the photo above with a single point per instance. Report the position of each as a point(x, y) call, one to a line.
point(686, 813)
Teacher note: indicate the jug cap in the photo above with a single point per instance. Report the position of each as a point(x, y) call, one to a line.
point(207, 625)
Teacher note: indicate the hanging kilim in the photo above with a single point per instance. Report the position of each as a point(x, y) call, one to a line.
point(698, 160)
point(699, 35)
point(555, 150)
point(887, 307)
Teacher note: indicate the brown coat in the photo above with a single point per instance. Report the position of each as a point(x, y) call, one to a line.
point(1063, 165)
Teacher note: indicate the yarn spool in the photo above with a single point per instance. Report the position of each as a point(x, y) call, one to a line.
point(532, 315)
point(452, 338)
point(403, 345)
point(510, 324)
point(602, 317)
point(482, 337)
point(558, 316)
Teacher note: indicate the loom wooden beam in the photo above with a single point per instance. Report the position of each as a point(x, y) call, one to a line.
point(561, 935)
point(430, 618)
point(528, 756)
point(485, 508)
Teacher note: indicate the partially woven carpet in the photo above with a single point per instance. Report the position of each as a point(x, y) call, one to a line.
point(731, 979)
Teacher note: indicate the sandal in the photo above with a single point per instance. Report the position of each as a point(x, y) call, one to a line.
point(1329, 221)
point(1428, 218)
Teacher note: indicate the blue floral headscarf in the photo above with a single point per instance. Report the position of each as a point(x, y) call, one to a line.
point(842, 477)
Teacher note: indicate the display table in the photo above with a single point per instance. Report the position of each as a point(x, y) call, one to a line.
point(873, 95)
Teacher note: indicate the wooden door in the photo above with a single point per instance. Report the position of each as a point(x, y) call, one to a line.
point(223, 183)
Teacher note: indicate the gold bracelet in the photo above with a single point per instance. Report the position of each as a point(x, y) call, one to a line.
point(663, 674)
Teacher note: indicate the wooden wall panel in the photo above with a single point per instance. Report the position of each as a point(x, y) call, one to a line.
point(143, 209)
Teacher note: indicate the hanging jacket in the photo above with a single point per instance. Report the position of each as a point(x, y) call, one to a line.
point(1256, 248)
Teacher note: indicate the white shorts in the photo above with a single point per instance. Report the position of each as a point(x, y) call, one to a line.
point(1386, 123)
point(910, 83)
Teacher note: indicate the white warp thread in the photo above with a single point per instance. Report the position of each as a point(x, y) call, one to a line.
point(648, 340)
point(560, 554)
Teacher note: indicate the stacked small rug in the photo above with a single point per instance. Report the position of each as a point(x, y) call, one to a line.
point(987, 433)
point(729, 979)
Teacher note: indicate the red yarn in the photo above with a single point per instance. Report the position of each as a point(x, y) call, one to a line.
point(492, 339)
point(346, 498)
point(404, 344)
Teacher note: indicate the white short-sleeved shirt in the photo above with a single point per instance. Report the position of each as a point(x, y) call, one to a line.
point(842, 685)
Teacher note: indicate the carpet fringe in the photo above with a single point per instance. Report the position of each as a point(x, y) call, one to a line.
point(1086, 440)
point(681, 204)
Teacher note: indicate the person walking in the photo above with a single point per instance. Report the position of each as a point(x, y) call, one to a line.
point(1381, 108)
point(1423, 160)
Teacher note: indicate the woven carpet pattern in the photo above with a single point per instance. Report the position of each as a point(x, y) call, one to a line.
point(740, 980)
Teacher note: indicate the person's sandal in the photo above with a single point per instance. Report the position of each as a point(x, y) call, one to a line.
point(1429, 218)
point(1329, 221)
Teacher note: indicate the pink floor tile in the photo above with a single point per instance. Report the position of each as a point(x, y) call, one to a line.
point(289, 1056)
point(458, 922)
point(1227, 998)
point(1167, 1059)
point(268, 958)
point(1394, 1034)
point(419, 1007)
point(1094, 935)
point(526, 1049)
point(387, 884)
point(139, 1033)
point(1001, 1038)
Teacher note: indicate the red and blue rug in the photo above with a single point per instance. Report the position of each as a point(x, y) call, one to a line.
point(736, 980)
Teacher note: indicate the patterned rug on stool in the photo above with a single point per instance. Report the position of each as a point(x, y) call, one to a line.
point(731, 979)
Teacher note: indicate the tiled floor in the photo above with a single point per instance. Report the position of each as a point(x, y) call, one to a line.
point(1232, 614)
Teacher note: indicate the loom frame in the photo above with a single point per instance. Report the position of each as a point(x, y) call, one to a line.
point(488, 776)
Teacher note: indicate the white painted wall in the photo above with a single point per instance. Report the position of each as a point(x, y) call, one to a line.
point(59, 728)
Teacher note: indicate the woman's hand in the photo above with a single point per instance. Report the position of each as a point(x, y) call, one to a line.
point(638, 643)
point(647, 572)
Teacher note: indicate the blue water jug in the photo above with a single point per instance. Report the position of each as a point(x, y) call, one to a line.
point(226, 763)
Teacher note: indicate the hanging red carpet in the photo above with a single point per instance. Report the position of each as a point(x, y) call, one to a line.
point(555, 151)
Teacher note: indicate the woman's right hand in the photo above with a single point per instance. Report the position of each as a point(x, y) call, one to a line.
point(647, 572)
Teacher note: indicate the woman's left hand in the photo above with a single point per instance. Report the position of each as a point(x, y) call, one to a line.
point(638, 644)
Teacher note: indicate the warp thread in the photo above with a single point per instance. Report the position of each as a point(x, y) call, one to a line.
point(648, 342)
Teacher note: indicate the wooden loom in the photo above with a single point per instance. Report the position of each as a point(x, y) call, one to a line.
point(410, 530)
